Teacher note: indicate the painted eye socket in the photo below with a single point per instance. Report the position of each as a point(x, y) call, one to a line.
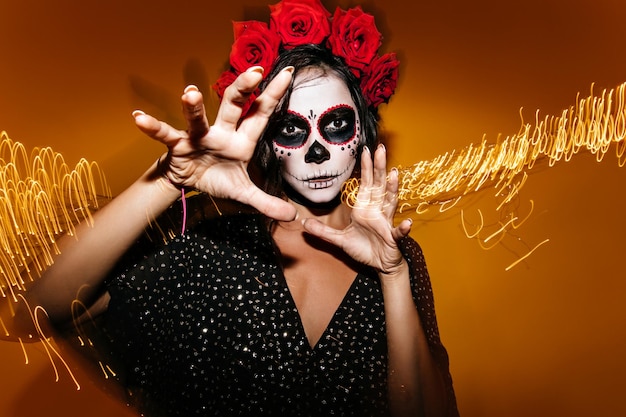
point(292, 131)
point(337, 125)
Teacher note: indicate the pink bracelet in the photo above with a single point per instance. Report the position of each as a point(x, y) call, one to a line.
point(184, 202)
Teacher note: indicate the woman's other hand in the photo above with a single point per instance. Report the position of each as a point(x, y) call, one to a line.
point(371, 238)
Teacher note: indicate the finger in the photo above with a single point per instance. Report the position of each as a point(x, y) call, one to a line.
point(366, 170)
point(236, 96)
point(391, 194)
point(157, 130)
point(378, 192)
point(402, 230)
point(380, 167)
point(195, 114)
point(254, 125)
point(324, 232)
point(272, 207)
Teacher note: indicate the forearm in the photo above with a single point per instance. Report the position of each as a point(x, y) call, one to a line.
point(416, 386)
point(87, 257)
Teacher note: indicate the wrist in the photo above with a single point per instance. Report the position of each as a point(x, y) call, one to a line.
point(156, 175)
point(161, 170)
point(397, 273)
point(167, 191)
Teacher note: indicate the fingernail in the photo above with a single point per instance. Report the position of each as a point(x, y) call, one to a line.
point(256, 68)
point(137, 113)
point(382, 147)
point(190, 88)
point(366, 149)
point(289, 69)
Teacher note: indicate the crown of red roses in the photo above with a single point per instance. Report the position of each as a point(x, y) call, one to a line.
point(349, 34)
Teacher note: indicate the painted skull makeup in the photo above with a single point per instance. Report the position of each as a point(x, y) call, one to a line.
point(317, 140)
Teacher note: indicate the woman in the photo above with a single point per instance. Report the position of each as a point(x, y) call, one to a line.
point(304, 306)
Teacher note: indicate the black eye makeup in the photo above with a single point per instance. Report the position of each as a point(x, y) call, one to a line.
point(337, 124)
point(292, 131)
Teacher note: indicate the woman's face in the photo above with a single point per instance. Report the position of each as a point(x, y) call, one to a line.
point(317, 142)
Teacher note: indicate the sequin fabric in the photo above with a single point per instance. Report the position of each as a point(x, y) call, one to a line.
point(205, 325)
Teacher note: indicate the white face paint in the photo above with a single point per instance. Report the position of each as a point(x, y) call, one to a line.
point(317, 141)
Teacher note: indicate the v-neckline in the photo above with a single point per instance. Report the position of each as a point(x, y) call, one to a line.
point(356, 272)
point(329, 325)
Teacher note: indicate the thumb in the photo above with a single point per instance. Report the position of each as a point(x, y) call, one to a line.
point(273, 207)
point(402, 230)
point(324, 232)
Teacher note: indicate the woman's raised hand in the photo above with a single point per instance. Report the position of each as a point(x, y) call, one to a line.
point(371, 238)
point(214, 159)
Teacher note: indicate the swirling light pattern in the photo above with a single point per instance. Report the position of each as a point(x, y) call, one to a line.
point(41, 198)
point(594, 124)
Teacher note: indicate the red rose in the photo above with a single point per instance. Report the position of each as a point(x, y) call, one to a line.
point(299, 22)
point(380, 82)
point(254, 45)
point(355, 38)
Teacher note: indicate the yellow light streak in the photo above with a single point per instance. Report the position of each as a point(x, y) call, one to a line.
point(41, 198)
point(46, 341)
point(527, 255)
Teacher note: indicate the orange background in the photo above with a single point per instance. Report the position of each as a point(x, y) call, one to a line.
point(543, 339)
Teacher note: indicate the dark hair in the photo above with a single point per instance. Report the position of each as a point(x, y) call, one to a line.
point(304, 57)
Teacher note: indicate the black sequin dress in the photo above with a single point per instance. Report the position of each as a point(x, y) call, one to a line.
point(205, 326)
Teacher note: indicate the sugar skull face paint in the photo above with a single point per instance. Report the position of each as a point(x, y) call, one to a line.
point(317, 141)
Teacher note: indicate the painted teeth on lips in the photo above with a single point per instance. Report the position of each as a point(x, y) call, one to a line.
point(321, 182)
